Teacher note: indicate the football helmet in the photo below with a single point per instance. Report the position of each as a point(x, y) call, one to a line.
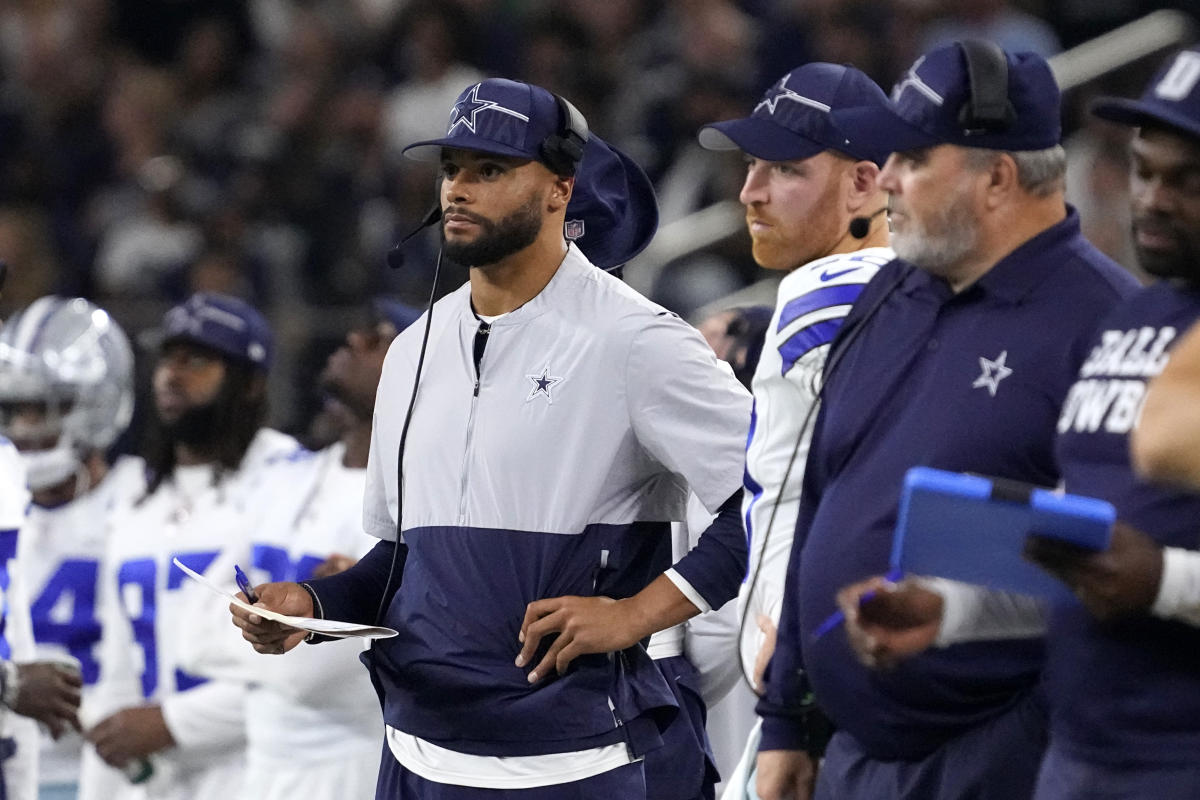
point(66, 385)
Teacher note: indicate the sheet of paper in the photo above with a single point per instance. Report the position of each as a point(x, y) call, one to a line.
point(326, 627)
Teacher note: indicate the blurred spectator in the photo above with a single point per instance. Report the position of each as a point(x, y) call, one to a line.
point(152, 148)
point(996, 20)
point(32, 267)
point(430, 56)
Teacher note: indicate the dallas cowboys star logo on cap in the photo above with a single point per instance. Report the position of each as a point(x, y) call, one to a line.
point(780, 91)
point(470, 105)
point(994, 371)
point(542, 384)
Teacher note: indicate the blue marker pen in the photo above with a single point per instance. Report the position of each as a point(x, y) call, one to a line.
point(837, 617)
point(244, 584)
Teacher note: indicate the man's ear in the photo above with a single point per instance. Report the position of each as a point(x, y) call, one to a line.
point(862, 176)
point(1003, 179)
point(560, 192)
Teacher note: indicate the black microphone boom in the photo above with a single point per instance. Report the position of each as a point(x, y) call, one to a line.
point(395, 256)
point(860, 227)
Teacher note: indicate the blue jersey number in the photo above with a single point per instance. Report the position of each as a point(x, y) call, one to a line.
point(8, 551)
point(276, 562)
point(74, 583)
point(139, 574)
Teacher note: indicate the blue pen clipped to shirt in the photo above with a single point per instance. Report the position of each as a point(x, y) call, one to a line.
point(838, 617)
point(244, 584)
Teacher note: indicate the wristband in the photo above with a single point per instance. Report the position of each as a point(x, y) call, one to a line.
point(11, 688)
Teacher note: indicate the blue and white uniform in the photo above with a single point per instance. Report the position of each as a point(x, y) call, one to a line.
point(313, 723)
point(18, 735)
point(809, 309)
point(60, 552)
point(151, 613)
point(554, 470)
point(972, 381)
point(810, 306)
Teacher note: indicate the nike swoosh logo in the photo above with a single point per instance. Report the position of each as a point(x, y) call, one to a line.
point(828, 276)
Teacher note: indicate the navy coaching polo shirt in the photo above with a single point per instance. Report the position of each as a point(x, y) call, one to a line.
point(966, 382)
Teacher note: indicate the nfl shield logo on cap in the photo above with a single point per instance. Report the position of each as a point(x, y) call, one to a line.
point(573, 229)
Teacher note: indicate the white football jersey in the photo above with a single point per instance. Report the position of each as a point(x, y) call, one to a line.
point(151, 611)
point(313, 721)
point(59, 553)
point(16, 634)
point(812, 302)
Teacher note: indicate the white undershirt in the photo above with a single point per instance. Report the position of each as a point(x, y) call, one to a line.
point(440, 765)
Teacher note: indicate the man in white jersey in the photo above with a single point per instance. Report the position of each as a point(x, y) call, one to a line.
point(177, 734)
point(313, 722)
point(559, 424)
point(66, 394)
point(813, 210)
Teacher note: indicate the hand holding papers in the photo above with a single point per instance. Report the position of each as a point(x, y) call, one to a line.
point(324, 627)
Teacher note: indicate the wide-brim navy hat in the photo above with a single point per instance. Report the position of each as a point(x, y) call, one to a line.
point(927, 107)
point(1172, 98)
point(794, 120)
point(226, 324)
point(497, 116)
point(613, 213)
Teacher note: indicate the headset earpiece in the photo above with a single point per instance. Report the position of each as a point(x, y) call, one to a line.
point(563, 150)
point(987, 109)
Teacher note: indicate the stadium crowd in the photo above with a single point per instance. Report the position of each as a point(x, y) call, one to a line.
point(216, 234)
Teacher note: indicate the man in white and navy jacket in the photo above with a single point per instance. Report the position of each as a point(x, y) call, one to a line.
point(560, 422)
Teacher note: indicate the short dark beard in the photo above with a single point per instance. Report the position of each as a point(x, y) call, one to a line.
point(497, 240)
point(195, 427)
point(1183, 266)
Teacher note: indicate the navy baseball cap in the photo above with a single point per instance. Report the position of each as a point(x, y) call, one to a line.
point(501, 117)
point(613, 213)
point(928, 105)
point(1171, 99)
point(794, 119)
point(226, 324)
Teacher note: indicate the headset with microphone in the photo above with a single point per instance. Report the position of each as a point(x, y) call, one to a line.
point(860, 227)
point(561, 152)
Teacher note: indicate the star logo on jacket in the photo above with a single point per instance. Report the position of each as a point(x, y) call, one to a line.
point(994, 371)
point(465, 110)
point(543, 384)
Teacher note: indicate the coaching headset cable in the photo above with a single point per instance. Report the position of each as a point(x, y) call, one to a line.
point(434, 215)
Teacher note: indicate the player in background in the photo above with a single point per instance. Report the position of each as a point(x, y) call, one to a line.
point(36, 692)
point(1122, 670)
point(537, 490)
point(813, 211)
point(66, 394)
point(179, 735)
point(313, 723)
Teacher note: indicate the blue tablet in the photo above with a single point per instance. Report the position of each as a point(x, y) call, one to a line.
point(972, 528)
